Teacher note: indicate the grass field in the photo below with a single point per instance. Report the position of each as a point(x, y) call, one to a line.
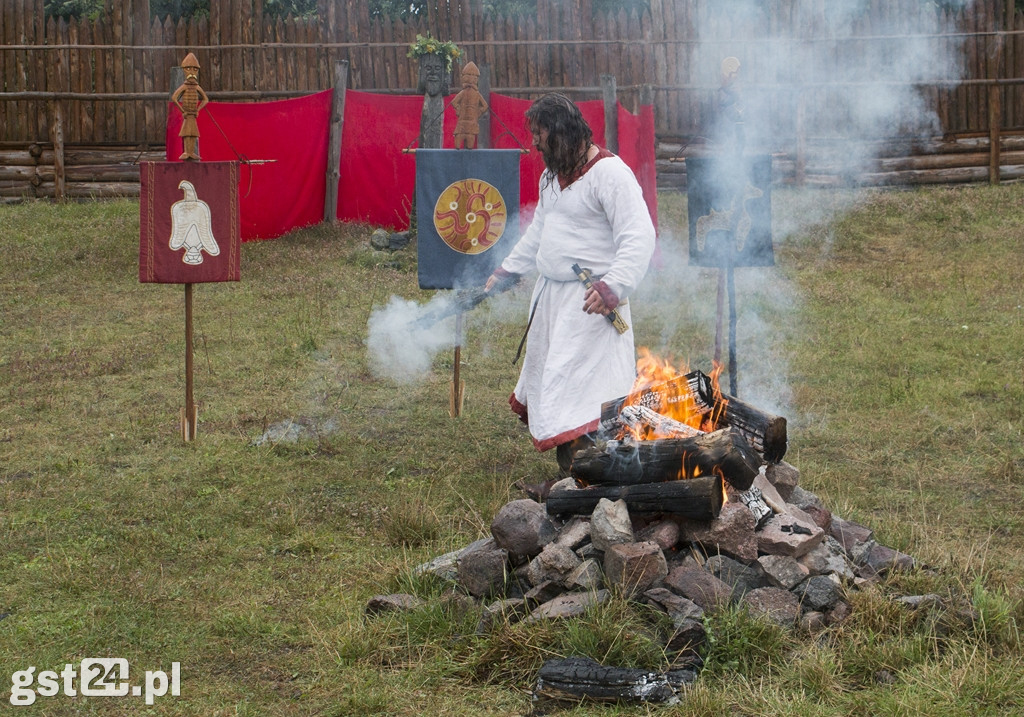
point(890, 333)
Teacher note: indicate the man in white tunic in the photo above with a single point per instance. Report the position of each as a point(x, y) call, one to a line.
point(592, 213)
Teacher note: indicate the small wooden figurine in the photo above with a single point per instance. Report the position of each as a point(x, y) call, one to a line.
point(190, 99)
point(469, 105)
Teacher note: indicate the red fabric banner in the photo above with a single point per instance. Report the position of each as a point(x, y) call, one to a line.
point(188, 221)
point(377, 177)
point(279, 195)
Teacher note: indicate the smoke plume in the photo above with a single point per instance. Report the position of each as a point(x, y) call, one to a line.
point(403, 340)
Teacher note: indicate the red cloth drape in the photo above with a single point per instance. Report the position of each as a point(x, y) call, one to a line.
point(377, 177)
point(277, 196)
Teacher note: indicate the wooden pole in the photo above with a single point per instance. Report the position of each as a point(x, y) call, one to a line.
point(800, 174)
point(719, 317)
point(731, 289)
point(334, 147)
point(611, 113)
point(995, 112)
point(483, 140)
point(458, 387)
point(59, 175)
point(189, 415)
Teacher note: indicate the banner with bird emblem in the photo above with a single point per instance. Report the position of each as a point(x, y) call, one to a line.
point(189, 222)
point(730, 210)
point(467, 214)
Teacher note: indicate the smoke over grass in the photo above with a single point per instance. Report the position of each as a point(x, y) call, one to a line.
point(403, 339)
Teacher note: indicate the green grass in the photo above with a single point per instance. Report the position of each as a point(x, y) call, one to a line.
point(890, 333)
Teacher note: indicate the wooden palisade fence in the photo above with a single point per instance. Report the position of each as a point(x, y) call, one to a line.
point(72, 92)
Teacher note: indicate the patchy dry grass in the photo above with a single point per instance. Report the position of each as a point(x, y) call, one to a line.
point(890, 333)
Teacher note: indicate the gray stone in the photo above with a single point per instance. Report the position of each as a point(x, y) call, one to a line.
point(849, 534)
point(688, 631)
point(818, 592)
point(568, 605)
point(586, 576)
point(664, 532)
point(700, 586)
point(523, 528)
point(482, 568)
point(687, 634)
point(443, 566)
point(783, 571)
point(634, 567)
point(792, 533)
point(839, 613)
point(916, 602)
point(397, 602)
point(784, 477)
point(383, 240)
point(742, 578)
point(610, 524)
point(829, 558)
point(813, 621)
point(553, 563)
point(769, 492)
point(574, 533)
point(542, 593)
point(676, 606)
point(776, 604)
point(731, 533)
point(502, 610)
point(822, 517)
point(880, 560)
point(802, 498)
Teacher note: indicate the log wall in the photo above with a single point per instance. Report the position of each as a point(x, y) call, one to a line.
point(675, 47)
point(108, 81)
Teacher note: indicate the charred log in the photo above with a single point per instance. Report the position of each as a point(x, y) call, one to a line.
point(696, 498)
point(646, 423)
point(576, 678)
point(765, 432)
point(725, 452)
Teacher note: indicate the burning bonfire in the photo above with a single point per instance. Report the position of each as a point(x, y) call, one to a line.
point(674, 444)
point(685, 504)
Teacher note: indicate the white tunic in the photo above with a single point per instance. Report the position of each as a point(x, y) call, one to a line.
point(576, 361)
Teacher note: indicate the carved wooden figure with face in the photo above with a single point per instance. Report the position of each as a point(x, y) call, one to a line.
point(469, 106)
point(190, 99)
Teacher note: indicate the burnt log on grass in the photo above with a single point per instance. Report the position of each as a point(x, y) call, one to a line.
point(725, 452)
point(695, 498)
point(575, 678)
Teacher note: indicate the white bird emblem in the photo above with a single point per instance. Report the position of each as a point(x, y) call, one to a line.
point(191, 226)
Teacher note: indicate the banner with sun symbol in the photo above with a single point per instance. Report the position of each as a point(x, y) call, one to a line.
point(467, 214)
point(189, 222)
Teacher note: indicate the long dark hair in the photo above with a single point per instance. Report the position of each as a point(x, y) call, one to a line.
point(569, 135)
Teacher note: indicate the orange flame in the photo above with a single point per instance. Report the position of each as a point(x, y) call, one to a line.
point(665, 389)
point(662, 386)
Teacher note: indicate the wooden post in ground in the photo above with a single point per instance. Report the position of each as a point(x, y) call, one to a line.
point(187, 96)
point(59, 175)
point(334, 148)
point(189, 414)
point(611, 113)
point(458, 390)
point(995, 118)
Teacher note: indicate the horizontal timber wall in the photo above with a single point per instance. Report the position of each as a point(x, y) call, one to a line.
point(107, 81)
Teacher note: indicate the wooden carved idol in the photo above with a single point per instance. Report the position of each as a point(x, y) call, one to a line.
point(190, 99)
point(469, 106)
